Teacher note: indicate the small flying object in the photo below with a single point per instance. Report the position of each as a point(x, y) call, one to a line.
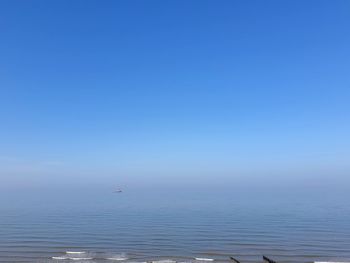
point(118, 190)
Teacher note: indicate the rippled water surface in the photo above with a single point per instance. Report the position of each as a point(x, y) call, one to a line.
point(154, 225)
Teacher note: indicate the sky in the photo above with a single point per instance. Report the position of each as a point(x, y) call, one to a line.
point(174, 92)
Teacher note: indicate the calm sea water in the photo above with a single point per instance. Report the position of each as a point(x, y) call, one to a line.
point(148, 225)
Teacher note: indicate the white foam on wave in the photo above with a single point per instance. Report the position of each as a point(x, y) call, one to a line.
point(164, 261)
point(116, 256)
point(204, 259)
point(72, 258)
point(75, 252)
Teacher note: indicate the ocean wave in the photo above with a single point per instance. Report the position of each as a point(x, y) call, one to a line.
point(117, 258)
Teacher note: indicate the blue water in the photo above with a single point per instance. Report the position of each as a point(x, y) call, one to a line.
point(146, 224)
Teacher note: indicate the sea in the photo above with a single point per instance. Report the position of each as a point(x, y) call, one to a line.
point(168, 225)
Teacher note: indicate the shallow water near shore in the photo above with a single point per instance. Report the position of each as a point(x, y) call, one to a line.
point(141, 225)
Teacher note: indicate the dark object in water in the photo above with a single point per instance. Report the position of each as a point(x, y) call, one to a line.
point(268, 260)
point(235, 260)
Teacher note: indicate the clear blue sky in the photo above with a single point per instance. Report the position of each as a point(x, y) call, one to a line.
point(133, 92)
